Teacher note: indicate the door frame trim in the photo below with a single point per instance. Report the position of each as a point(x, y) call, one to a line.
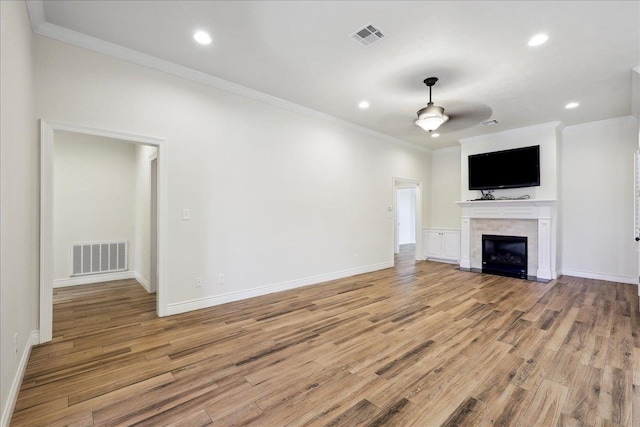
point(47, 128)
point(154, 286)
point(418, 255)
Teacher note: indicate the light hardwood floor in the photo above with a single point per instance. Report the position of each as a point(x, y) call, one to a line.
point(422, 344)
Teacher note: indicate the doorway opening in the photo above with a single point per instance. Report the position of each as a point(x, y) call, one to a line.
point(407, 232)
point(406, 209)
point(49, 131)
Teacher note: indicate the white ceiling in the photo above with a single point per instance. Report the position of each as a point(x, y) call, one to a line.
point(301, 52)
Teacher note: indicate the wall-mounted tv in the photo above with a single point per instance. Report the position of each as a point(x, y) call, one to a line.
point(515, 168)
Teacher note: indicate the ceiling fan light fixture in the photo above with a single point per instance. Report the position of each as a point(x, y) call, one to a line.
point(432, 116)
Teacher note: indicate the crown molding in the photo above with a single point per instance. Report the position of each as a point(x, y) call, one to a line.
point(41, 27)
point(603, 122)
point(549, 125)
point(36, 13)
point(451, 149)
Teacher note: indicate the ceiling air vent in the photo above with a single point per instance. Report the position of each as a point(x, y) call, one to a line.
point(367, 35)
point(490, 122)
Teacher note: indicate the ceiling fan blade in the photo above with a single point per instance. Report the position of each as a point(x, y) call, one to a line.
point(463, 115)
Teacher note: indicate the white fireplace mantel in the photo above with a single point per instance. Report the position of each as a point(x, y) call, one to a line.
point(542, 210)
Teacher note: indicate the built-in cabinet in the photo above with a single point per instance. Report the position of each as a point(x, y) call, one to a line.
point(441, 244)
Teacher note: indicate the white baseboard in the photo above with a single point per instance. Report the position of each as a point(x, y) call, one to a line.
point(94, 278)
point(10, 404)
point(446, 261)
point(601, 276)
point(196, 304)
point(143, 282)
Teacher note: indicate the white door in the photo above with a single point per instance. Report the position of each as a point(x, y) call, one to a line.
point(451, 245)
point(432, 244)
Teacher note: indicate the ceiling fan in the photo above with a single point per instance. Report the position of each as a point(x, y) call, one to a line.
point(432, 116)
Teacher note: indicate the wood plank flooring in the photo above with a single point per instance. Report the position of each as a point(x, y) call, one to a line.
point(421, 344)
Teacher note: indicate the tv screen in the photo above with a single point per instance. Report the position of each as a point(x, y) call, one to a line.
point(515, 168)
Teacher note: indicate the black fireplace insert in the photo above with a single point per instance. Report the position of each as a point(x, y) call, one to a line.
point(504, 255)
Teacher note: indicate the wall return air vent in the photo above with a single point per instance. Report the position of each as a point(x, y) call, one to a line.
point(367, 35)
point(98, 257)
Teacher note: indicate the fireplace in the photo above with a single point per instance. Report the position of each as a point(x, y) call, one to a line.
point(511, 213)
point(504, 255)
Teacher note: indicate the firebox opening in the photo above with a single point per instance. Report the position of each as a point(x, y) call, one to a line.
point(504, 255)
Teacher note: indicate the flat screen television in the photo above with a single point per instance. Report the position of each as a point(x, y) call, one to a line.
point(515, 168)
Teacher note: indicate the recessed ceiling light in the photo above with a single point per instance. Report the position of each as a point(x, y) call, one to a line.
point(363, 105)
point(538, 40)
point(202, 37)
point(571, 105)
point(435, 135)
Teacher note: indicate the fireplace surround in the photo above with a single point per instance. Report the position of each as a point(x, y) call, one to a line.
point(543, 212)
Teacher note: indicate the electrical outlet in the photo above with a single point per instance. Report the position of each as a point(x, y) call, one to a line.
point(220, 278)
point(198, 282)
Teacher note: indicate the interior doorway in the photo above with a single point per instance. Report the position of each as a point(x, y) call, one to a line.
point(407, 224)
point(406, 217)
point(47, 136)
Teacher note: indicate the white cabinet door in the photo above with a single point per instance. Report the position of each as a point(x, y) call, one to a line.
point(432, 244)
point(451, 245)
point(442, 244)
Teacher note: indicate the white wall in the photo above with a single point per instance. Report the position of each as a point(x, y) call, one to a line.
point(543, 135)
point(406, 216)
point(445, 188)
point(18, 200)
point(593, 183)
point(94, 195)
point(559, 206)
point(635, 92)
point(597, 199)
point(142, 249)
point(276, 198)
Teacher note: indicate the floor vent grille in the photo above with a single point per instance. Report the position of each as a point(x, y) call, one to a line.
point(98, 257)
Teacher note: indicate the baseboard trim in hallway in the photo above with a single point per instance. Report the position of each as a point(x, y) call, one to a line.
point(95, 278)
point(7, 411)
point(206, 302)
